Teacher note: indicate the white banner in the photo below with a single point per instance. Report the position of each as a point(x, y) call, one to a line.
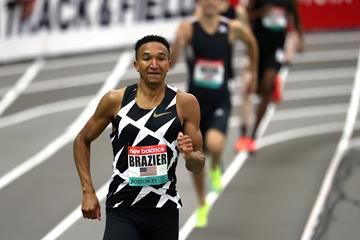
point(33, 28)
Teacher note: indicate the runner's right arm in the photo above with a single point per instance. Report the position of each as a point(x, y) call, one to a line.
point(104, 114)
point(182, 38)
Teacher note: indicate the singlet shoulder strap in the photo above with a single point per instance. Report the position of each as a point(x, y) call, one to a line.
point(173, 88)
point(225, 19)
point(128, 94)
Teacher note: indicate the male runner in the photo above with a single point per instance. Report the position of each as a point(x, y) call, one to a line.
point(151, 123)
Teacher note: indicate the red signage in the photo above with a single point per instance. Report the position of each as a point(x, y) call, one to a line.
point(329, 14)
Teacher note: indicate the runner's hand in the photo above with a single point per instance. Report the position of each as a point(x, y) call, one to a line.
point(185, 145)
point(90, 206)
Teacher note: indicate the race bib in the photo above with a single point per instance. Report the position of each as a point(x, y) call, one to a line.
point(209, 73)
point(275, 19)
point(147, 165)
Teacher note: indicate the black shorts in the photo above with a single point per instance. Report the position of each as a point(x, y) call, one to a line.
point(271, 47)
point(215, 116)
point(141, 224)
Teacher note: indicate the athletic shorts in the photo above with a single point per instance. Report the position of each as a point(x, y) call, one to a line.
point(271, 49)
point(215, 116)
point(142, 224)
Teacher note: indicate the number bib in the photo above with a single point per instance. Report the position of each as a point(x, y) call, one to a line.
point(147, 165)
point(275, 19)
point(209, 73)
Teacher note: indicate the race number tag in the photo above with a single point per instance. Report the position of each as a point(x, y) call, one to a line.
point(147, 165)
point(209, 73)
point(275, 19)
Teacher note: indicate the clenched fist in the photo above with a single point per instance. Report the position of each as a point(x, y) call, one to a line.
point(185, 145)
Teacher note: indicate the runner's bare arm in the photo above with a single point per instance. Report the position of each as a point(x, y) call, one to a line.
point(253, 13)
point(298, 27)
point(183, 35)
point(240, 31)
point(190, 141)
point(104, 114)
point(241, 14)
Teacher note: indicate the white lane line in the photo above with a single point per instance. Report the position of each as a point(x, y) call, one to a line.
point(342, 146)
point(298, 113)
point(234, 167)
point(313, 111)
point(302, 132)
point(321, 74)
point(58, 107)
point(88, 79)
point(321, 59)
point(327, 38)
point(67, 82)
point(43, 110)
point(66, 63)
point(308, 93)
point(317, 92)
point(332, 37)
point(289, 95)
point(326, 55)
point(13, 69)
point(71, 132)
point(266, 141)
point(20, 85)
point(82, 61)
point(70, 104)
point(301, 75)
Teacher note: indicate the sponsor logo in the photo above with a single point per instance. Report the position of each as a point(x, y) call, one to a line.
point(155, 115)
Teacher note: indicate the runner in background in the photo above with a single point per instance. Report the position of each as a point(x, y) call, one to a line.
point(232, 9)
point(271, 21)
point(208, 39)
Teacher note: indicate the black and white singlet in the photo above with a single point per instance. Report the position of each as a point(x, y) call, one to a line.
point(145, 154)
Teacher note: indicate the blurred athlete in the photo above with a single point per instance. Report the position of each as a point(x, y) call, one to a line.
point(208, 39)
point(270, 20)
point(234, 10)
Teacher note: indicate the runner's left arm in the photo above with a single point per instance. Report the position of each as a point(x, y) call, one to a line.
point(244, 33)
point(190, 141)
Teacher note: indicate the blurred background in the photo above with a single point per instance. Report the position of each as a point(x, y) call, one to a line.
point(58, 57)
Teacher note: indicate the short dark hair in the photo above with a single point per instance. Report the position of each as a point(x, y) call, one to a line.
point(151, 38)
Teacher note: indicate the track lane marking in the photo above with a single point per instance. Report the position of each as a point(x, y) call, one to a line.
point(341, 148)
point(228, 175)
point(71, 131)
point(13, 93)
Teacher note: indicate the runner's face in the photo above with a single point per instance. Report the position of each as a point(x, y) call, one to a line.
point(210, 7)
point(152, 62)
